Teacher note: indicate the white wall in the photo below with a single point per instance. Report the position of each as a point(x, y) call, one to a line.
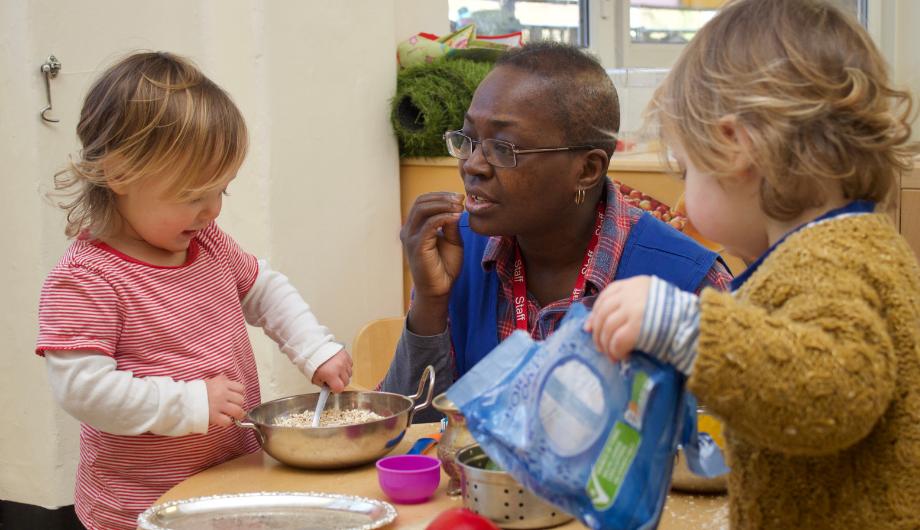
point(318, 195)
point(905, 52)
point(414, 16)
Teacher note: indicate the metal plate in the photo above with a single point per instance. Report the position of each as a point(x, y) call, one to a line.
point(269, 511)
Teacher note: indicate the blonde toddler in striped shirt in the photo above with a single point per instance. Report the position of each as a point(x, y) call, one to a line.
point(143, 320)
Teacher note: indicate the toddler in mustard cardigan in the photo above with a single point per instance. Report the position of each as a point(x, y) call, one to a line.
point(790, 135)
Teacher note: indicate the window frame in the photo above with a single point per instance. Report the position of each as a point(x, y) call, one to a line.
point(609, 37)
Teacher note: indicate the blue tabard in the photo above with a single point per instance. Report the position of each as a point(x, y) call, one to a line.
point(652, 248)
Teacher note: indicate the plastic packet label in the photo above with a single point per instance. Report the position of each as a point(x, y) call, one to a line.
point(593, 437)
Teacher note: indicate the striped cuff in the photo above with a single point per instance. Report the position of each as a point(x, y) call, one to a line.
point(670, 325)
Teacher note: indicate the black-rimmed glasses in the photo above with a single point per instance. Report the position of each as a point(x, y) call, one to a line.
point(499, 153)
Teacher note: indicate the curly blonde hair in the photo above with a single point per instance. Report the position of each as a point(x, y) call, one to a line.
point(150, 115)
point(809, 89)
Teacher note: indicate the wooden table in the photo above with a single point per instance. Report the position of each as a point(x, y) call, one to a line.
point(260, 472)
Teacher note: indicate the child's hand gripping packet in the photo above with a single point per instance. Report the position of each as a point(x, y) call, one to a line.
point(595, 438)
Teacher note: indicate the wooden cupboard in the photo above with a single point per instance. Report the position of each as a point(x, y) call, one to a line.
point(644, 172)
point(909, 208)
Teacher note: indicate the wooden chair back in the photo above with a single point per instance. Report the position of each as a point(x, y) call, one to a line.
point(373, 349)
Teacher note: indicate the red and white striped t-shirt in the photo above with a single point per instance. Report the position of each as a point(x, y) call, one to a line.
point(183, 322)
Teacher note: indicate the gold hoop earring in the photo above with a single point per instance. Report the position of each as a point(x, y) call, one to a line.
point(580, 196)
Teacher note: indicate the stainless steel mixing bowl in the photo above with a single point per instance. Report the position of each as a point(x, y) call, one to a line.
point(342, 446)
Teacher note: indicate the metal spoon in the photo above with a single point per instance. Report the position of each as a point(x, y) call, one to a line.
point(320, 405)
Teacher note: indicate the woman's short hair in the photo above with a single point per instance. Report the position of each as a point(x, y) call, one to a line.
point(584, 99)
point(810, 90)
point(150, 115)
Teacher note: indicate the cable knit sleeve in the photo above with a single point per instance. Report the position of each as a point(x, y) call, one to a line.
point(805, 368)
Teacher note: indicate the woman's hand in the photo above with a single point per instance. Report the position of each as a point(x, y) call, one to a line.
point(225, 400)
point(431, 241)
point(335, 372)
point(616, 318)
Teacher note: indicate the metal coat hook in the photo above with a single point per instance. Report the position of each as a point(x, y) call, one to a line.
point(50, 70)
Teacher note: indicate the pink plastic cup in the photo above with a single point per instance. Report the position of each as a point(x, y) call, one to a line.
point(409, 479)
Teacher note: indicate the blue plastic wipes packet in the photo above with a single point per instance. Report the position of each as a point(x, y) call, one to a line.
point(594, 437)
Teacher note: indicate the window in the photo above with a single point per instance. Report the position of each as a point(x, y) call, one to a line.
point(651, 33)
point(668, 21)
point(676, 21)
point(622, 33)
point(638, 40)
point(537, 20)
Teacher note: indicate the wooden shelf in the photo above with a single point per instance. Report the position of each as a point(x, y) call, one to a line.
point(908, 215)
point(644, 171)
point(622, 161)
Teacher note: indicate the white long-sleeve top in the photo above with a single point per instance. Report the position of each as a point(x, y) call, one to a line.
point(89, 386)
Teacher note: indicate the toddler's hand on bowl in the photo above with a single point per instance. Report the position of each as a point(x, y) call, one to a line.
point(225, 400)
point(334, 373)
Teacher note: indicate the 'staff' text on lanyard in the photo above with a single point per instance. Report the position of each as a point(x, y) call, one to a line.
point(519, 280)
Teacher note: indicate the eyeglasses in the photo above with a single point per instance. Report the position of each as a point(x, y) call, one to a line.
point(499, 153)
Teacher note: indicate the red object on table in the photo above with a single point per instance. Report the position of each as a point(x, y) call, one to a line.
point(460, 519)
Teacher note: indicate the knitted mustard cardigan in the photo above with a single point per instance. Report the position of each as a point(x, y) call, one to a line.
point(814, 367)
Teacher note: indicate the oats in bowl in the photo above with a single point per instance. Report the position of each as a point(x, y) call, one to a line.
point(329, 418)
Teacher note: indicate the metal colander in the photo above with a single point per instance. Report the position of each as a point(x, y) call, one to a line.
point(496, 495)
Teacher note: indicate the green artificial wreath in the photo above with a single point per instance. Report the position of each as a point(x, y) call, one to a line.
point(431, 99)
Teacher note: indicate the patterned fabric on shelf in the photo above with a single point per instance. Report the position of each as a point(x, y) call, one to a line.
point(655, 207)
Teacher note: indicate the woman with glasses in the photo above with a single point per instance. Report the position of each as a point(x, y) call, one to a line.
point(541, 225)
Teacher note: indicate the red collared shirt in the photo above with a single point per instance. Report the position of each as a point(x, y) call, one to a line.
point(618, 220)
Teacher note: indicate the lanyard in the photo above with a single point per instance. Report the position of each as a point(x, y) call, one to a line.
point(519, 281)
